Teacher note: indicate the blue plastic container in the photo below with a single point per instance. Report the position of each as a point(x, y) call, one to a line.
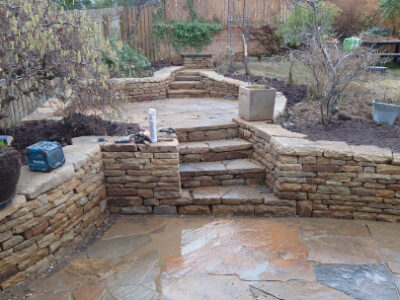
point(45, 156)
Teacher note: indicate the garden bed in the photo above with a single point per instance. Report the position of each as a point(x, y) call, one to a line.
point(63, 131)
point(294, 93)
point(354, 132)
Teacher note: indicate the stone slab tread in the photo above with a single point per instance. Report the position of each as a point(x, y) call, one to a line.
point(224, 145)
point(184, 85)
point(235, 166)
point(187, 78)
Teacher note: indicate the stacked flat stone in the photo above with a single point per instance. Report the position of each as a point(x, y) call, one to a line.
point(198, 61)
point(140, 178)
point(327, 178)
point(144, 89)
point(50, 211)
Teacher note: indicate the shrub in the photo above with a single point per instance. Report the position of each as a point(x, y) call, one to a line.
point(354, 17)
point(127, 62)
point(331, 68)
point(301, 19)
point(43, 45)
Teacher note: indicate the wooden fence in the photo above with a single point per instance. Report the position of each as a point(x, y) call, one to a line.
point(137, 23)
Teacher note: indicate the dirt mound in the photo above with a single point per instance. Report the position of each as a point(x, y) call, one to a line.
point(294, 93)
point(354, 132)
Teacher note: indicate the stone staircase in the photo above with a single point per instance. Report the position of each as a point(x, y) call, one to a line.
point(187, 84)
point(218, 175)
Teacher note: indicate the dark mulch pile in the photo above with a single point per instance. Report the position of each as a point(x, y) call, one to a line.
point(159, 64)
point(294, 93)
point(63, 131)
point(356, 132)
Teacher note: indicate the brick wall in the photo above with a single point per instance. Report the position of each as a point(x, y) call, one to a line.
point(50, 210)
point(328, 179)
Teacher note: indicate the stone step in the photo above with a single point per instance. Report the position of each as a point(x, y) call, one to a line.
point(215, 150)
point(187, 78)
point(240, 200)
point(185, 85)
point(207, 130)
point(226, 172)
point(187, 93)
point(188, 73)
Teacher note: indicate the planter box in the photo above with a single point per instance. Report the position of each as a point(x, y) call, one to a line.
point(385, 113)
point(256, 104)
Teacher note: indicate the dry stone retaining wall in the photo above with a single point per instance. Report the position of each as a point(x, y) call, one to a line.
point(142, 179)
point(198, 61)
point(50, 210)
point(325, 178)
point(145, 89)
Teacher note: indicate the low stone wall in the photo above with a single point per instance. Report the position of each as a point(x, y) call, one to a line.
point(198, 61)
point(50, 210)
point(326, 178)
point(145, 89)
point(142, 179)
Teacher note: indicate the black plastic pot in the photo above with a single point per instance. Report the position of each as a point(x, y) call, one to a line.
point(10, 169)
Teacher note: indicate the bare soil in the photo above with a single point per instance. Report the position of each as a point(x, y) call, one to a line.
point(63, 131)
point(354, 132)
point(294, 93)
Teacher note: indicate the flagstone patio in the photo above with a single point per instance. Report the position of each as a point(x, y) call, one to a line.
point(227, 258)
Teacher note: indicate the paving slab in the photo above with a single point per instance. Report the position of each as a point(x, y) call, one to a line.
point(225, 258)
point(387, 239)
point(299, 290)
point(253, 250)
point(226, 287)
point(132, 225)
point(325, 227)
point(126, 244)
point(334, 249)
point(364, 282)
point(78, 272)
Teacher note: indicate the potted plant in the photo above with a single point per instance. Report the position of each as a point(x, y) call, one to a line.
point(386, 112)
point(10, 168)
point(256, 103)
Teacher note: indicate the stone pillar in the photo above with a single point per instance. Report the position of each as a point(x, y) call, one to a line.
point(138, 177)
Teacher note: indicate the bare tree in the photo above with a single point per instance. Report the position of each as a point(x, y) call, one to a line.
point(331, 68)
point(41, 45)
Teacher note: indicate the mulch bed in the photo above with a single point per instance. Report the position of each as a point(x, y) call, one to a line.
point(63, 131)
point(294, 93)
point(354, 132)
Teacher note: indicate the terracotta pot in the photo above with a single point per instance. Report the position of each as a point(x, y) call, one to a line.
point(10, 169)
